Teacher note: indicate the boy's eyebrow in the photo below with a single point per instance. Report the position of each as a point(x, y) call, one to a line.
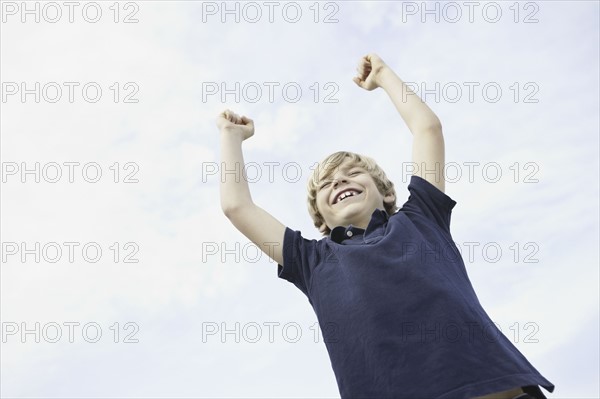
point(345, 168)
point(350, 167)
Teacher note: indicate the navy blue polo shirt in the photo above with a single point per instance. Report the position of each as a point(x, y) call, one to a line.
point(398, 313)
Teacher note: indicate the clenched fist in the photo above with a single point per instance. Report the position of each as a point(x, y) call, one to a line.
point(231, 123)
point(370, 68)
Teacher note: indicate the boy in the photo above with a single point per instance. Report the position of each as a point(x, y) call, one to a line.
point(390, 290)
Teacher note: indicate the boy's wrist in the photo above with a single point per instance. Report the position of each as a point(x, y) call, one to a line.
point(232, 135)
point(385, 77)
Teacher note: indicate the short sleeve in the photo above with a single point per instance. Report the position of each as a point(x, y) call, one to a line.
point(429, 201)
point(300, 256)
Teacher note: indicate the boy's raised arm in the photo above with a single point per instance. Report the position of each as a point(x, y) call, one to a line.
point(428, 141)
point(252, 221)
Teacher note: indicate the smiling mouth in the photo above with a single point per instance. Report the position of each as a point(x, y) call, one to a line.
point(345, 195)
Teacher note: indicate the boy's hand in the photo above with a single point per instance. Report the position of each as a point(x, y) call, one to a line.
point(369, 70)
point(228, 121)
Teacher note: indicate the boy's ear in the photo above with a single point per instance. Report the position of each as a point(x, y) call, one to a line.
point(323, 228)
point(390, 198)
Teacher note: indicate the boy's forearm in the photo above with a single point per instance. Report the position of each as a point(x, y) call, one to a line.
point(416, 114)
point(234, 187)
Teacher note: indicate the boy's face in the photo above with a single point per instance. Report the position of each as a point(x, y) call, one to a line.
point(349, 196)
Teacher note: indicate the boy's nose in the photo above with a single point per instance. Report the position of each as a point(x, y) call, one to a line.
point(337, 180)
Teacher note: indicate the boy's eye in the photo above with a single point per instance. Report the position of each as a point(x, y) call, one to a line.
point(325, 184)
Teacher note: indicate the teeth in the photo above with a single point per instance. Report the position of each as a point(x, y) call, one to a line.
point(347, 194)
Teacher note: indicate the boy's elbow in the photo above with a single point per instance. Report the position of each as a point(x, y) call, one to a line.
point(228, 210)
point(231, 210)
point(433, 128)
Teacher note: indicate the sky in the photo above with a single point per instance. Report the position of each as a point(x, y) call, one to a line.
point(122, 278)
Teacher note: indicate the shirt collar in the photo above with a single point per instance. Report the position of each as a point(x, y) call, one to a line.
point(341, 233)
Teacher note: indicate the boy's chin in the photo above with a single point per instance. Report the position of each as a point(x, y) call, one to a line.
point(353, 215)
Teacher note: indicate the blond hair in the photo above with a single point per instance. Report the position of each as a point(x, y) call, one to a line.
point(328, 166)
